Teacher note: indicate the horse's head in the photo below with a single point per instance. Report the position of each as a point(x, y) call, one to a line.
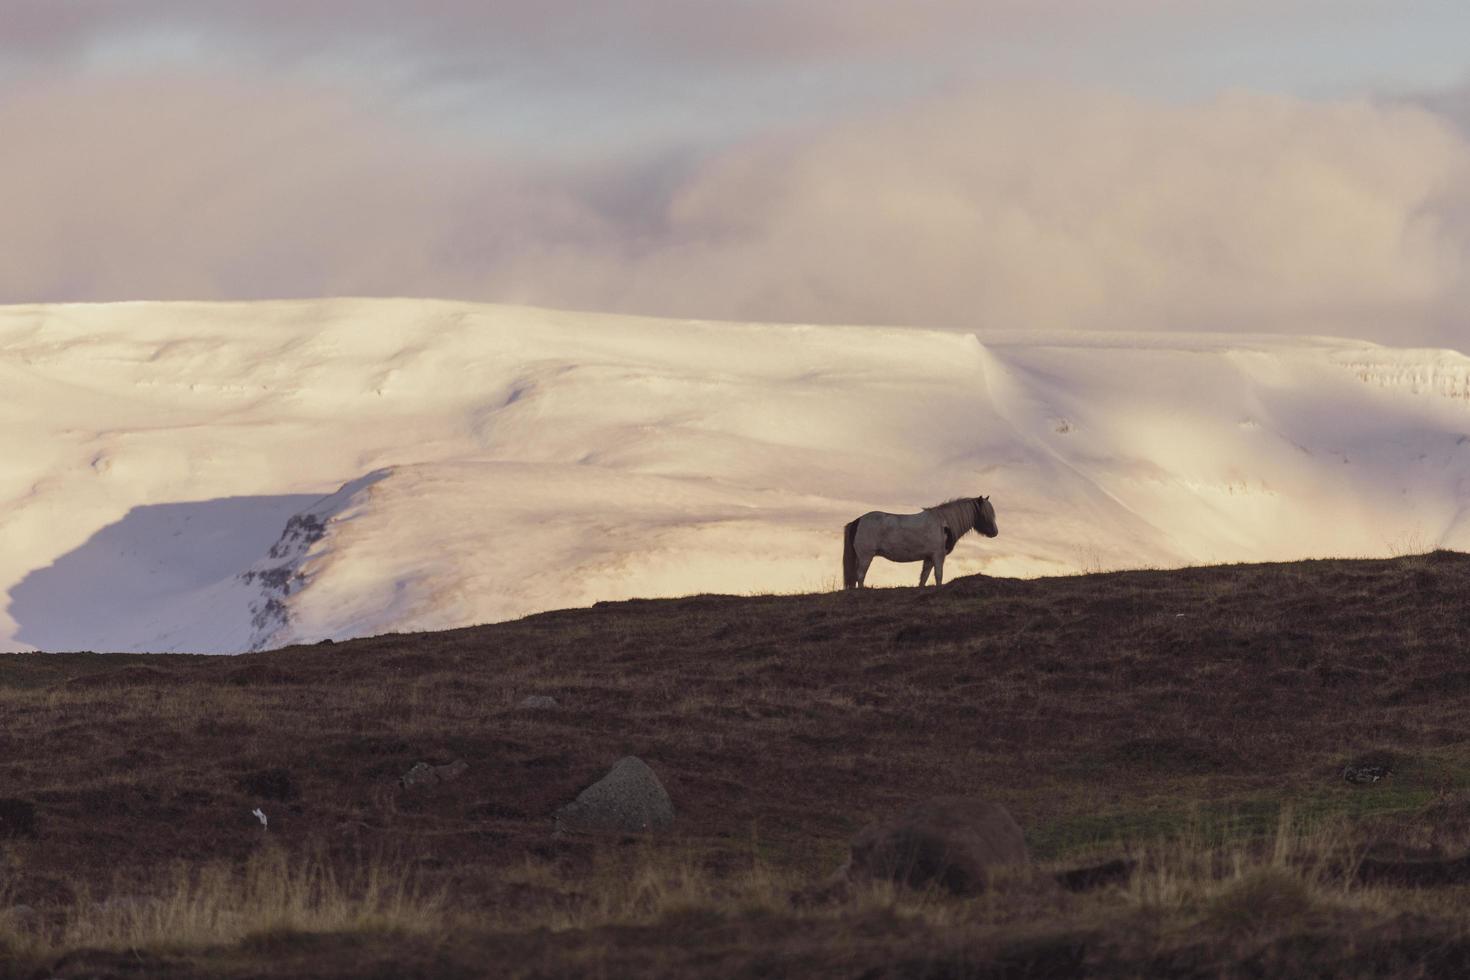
point(985, 517)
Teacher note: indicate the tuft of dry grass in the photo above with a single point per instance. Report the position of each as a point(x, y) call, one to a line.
point(1243, 888)
point(1265, 900)
point(217, 904)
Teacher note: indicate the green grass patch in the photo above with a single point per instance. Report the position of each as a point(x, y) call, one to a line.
point(1225, 822)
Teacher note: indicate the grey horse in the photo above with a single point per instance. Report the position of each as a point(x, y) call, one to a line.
point(927, 536)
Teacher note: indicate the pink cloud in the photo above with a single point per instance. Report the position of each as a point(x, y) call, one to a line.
point(1013, 208)
point(1031, 208)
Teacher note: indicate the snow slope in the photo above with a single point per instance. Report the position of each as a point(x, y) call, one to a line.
point(223, 477)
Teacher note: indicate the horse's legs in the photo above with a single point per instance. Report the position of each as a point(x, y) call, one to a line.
point(939, 569)
point(862, 568)
point(924, 575)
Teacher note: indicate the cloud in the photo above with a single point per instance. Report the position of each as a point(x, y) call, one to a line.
point(473, 35)
point(1029, 208)
point(1451, 103)
point(995, 208)
point(217, 188)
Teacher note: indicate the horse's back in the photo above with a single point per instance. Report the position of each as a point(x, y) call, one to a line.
point(884, 517)
point(898, 537)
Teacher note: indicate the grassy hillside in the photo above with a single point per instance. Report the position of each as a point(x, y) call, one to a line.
point(1198, 721)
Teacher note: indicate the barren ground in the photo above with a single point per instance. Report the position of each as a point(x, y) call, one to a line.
point(1198, 720)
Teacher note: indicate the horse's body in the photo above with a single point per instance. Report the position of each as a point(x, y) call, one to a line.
point(927, 536)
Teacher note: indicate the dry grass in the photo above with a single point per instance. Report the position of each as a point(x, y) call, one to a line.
point(1234, 881)
point(213, 904)
point(218, 904)
point(1234, 898)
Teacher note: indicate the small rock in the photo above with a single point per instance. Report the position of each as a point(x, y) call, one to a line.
point(537, 702)
point(629, 799)
point(1364, 775)
point(423, 774)
point(955, 842)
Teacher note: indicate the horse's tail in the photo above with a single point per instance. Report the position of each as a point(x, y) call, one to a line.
point(849, 555)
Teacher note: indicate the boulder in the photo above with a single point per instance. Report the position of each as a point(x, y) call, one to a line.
point(537, 702)
point(955, 842)
point(423, 774)
point(628, 799)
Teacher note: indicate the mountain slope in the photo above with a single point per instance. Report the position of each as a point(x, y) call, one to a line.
point(1201, 720)
point(483, 462)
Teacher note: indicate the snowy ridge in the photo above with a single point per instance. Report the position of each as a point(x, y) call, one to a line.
point(227, 477)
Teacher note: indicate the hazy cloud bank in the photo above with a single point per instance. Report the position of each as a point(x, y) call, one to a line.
point(477, 36)
point(1016, 208)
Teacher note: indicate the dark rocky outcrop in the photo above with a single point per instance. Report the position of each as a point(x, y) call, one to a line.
point(423, 774)
point(954, 842)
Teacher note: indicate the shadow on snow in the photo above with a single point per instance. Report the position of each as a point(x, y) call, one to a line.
point(143, 579)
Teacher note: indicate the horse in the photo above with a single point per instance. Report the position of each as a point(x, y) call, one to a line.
point(927, 536)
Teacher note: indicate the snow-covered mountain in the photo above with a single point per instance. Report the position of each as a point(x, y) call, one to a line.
point(223, 477)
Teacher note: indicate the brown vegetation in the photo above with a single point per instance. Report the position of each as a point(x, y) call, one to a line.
point(1196, 722)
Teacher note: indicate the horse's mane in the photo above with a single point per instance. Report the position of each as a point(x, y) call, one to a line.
point(958, 514)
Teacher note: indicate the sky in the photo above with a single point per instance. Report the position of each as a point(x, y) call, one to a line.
point(1296, 166)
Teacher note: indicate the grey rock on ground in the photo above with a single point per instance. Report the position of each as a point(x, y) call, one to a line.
point(955, 842)
point(629, 799)
point(1365, 774)
point(537, 702)
point(423, 774)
